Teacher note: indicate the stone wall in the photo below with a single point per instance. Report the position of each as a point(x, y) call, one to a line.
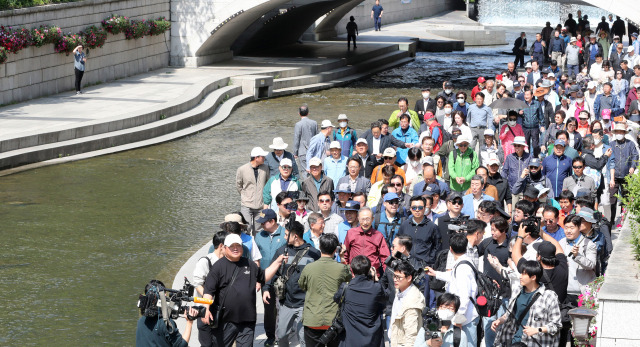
point(36, 72)
point(394, 12)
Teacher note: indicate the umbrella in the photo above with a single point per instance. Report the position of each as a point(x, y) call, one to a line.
point(508, 104)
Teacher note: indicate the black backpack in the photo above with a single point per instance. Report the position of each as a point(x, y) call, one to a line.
point(439, 265)
point(487, 300)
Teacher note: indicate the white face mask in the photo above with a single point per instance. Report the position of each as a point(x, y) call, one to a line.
point(343, 124)
point(636, 85)
point(619, 137)
point(447, 110)
point(445, 314)
point(425, 95)
point(448, 91)
point(414, 163)
point(460, 100)
point(511, 123)
point(579, 100)
point(597, 141)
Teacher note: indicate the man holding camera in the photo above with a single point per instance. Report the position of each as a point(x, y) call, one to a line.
point(152, 330)
point(233, 317)
point(292, 299)
point(448, 304)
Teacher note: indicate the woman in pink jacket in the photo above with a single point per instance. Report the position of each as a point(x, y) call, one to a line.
point(509, 131)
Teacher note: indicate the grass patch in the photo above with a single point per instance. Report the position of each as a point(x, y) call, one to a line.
point(632, 204)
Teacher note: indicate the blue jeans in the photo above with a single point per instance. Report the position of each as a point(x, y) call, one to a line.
point(490, 335)
point(471, 331)
point(377, 23)
point(572, 70)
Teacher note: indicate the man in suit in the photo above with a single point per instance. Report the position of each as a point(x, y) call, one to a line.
point(617, 56)
point(376, 141)
point(426, 103)
point(473, 200)
point(303, 131)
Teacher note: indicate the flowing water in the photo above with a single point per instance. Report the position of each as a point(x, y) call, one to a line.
point(80, 240)
point(534, 12)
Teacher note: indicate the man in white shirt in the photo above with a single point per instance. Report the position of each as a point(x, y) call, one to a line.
point(461, 281)
point(201, 269)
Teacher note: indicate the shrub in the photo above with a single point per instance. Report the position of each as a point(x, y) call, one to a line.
point(94, 37)
point(14, 39)
point(137, 29)
point(159, 26)
point(45, 35)
point(3, 55)
point(632, 205)
point(68, 43)
point(116, 24)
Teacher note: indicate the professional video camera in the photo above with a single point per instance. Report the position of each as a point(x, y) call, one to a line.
point(419, 276)
point(292, 206)
point(458, 224)
point(431, 323)
point(532, 226)
point(167, 303)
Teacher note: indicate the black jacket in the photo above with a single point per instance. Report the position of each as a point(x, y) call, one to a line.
point(502, 186)
point(294, 296)
point(420, 108)
point(385, 142)
point(364, 303)
point(548, 113)
point(516, 46)
point(426, 239)
point(369, 164)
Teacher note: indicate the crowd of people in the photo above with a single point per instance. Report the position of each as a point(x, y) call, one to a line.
point(376, 235)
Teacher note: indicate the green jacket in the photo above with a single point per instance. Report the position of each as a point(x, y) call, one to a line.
point(321, 280)
point(465, 165)
point(394, 121)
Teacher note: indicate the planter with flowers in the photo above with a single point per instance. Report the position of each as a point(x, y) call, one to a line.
point(589, 299)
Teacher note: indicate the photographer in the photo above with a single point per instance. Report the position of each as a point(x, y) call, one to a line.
point(363, 306)
point(406, 313)
point(152, 330)
point(236, 313)
point(447, 304)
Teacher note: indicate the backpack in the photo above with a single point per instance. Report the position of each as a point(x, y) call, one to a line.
point(444, 136)
point(439, 265)
point(487, 300)
point(593, 173)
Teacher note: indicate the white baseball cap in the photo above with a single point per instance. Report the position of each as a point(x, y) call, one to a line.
point(335, 144)
point(462, 139)
point(326, 124)
point(489, 132)
point(286, 162)
point(258, 152)
point(315, 161)
point(389, 152)
point(361, 140)
point(231, 239)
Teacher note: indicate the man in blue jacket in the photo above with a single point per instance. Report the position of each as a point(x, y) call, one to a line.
point(626, 161)
point(557, 166)
point(533, 122)
point(514, 164)
point(606, 100)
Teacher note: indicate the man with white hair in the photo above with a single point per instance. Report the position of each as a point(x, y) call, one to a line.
point(632, 56)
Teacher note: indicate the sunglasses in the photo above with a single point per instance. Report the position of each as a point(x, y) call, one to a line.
point(324, 200)
point(393, 202)
point(417, 208)
point(286, 167)
point(578, 167)
point(397, 184)
point(388, 158)
point(456, 202)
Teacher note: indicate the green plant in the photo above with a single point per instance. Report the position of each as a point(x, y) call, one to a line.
point(45, 35)
point(94, 37)
point(3, 55)
point(589, 299)
point(631, 204)
point(137, 29)
point(159, 26)
point(116, 24)
point(68, 43)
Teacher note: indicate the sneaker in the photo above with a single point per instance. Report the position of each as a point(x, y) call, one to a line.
point(77, 93)
point(269, 343)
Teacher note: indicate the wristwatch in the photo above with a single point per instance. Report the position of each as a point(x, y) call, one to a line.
point(540, 330)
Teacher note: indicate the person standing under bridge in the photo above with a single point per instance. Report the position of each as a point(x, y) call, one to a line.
point(376, 15)
point(352, 31)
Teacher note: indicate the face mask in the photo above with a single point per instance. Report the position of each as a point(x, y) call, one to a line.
point(460, 100)
point(445, 314)
point(447, 110)
point(414, 163)
point(343, 124)
point(425, 95)
point(448, 91)
point(579, 100)
point(619, 137)
point(636, 85)
point(511, 123)
point(596, 141)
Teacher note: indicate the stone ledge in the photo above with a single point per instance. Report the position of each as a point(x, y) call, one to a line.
point(57, 7)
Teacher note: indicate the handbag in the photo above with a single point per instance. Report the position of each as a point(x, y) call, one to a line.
point(217, 310)
point(279, 284)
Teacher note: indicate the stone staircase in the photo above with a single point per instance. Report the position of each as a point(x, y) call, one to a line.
point(201, 106)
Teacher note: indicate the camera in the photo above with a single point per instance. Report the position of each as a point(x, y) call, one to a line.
point(458, 224)
point(332, 333)
point(431, 323)
point(293, 205)
point(532, 226)
point(151, 303)
point(418, 271)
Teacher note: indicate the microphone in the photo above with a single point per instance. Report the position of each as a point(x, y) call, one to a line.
point(201, 300)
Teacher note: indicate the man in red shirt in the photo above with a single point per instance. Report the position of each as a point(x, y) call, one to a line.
point(367, 241)
point(478, 88)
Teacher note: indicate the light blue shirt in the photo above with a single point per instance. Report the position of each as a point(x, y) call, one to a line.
point(480, 116)
point(335, 169)
point(317, 147)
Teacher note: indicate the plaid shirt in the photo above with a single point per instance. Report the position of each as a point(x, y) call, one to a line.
point(544, 312)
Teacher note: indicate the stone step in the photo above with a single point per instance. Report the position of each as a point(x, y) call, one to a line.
point(125, 136)
point(182, 103)
point(340, 81)
point(304, 80)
